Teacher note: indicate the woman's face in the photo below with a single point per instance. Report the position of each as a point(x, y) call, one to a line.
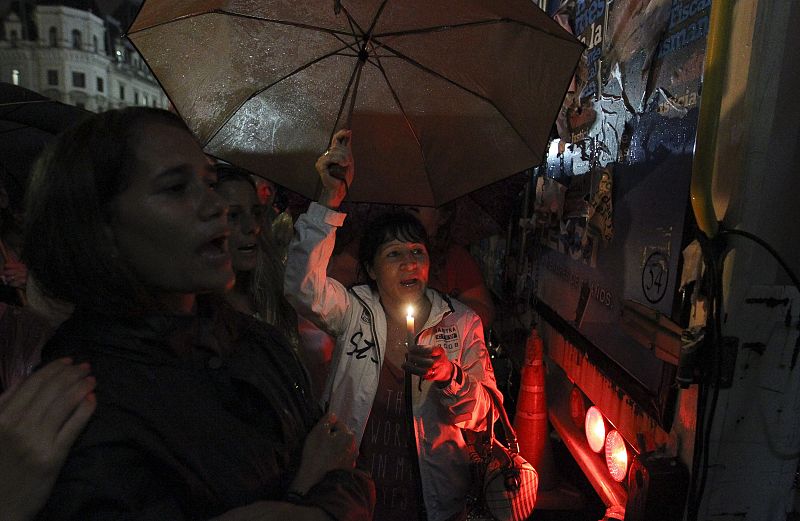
point(400, 270)
point(169, 224)
point(245, 215)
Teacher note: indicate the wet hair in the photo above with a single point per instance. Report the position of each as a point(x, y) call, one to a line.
point(66, 245)
point(387, 227)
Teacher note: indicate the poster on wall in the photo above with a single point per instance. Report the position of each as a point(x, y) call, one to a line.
point(615, 193)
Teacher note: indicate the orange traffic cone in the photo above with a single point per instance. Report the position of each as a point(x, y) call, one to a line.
point(530, 420)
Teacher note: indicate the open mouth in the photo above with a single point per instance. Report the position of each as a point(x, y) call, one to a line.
point(407, 283)
point(215, 249)
point(247, 248)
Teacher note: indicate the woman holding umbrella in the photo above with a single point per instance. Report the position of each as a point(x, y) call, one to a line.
point(387, 331)
point(201, 411)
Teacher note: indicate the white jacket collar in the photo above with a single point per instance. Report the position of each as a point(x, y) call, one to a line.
point(440, 304)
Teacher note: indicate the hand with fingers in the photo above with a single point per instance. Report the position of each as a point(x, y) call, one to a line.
point(330, 445)
point(15, 274)
point(40, 418)
point(429, 364)
point(336, 169)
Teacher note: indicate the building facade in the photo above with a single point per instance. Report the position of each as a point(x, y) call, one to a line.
point(76, 57)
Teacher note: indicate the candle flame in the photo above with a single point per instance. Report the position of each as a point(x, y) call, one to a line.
point(410, 311)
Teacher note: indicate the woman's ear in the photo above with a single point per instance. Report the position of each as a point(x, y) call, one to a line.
point(370, 272)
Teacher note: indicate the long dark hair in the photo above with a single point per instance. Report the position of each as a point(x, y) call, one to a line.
point(387, 227)
point(66, 245)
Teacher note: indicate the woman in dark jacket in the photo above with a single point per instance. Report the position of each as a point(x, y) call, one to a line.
point(201, 411)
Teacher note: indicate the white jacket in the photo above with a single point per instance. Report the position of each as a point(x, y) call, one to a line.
point(358, 322)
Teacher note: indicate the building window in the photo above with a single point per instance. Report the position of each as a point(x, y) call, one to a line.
point(52, 77)
point(135, 98)
point(122, 92)
point(53, 37)
point(101, 87)
point(76, 39)
point(79, 80)
point(15, 77)
point(13, 37)
point(94, 43)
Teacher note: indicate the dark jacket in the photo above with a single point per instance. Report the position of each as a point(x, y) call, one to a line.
point(195, 416)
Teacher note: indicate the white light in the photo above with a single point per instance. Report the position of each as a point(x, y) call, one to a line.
point(616, 456)
point(595, 427)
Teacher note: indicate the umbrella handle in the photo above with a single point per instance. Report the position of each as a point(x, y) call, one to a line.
point(338, 171)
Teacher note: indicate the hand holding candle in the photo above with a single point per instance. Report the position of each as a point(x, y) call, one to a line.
point(426, 362)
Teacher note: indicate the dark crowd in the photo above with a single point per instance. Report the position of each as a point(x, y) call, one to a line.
point(178, 344)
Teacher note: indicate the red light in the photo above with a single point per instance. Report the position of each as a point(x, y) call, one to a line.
point(616, 456)
point(595, 428)
point(577, 407)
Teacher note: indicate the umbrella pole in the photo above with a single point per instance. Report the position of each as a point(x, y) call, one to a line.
point(20, 292)
point(335, 170)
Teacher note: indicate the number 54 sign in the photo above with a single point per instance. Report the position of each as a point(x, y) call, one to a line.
point(655, 276)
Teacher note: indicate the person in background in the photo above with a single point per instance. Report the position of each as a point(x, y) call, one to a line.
point(13, 272)
point(410, 436)
point(282, 223)
point(454, 271)
point(265, 189)
point(258, 290)
point(202, 412)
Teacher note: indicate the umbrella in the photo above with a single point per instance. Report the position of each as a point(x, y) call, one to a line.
point(28, 121)
point(487, 211)
point(477, 215)
point(443, 96)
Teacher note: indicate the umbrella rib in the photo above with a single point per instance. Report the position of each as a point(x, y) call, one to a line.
point(356, 75)
point(354, 78)
point(377, 15)
point(21, 126)
point(413, 131)
point(241, 15)
point(441, 76)
point(18, 103)
point(267, 87)
point(438, 28)
point(352, 21)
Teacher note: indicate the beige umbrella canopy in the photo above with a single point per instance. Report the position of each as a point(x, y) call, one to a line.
point(443, 96)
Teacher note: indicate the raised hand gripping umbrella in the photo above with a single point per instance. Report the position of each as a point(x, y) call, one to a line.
point(443, 96)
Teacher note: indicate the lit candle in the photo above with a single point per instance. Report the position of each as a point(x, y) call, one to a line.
point(410, 336)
